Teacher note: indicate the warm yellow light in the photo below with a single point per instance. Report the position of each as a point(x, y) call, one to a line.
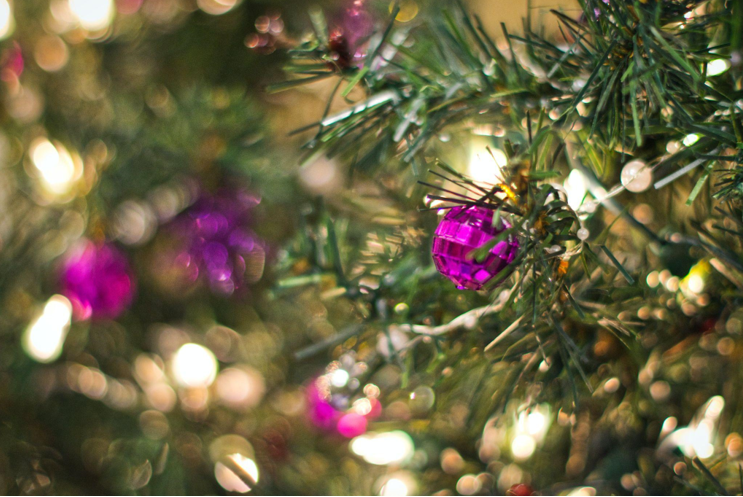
point(44, 338)
point(194, 366)
point(93, 15)
point(486, 167)
point(7, 22)
point(216, 7)
point(717, 67)
point(57, 168)
point(522, 447)
point(229, 479)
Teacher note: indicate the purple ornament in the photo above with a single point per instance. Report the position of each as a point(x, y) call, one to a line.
point(97, 280)
point(460, 232)
point(218, 246)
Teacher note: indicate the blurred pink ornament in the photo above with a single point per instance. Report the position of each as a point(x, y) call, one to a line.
point(216, 242)
point(97, 280)
point(12, 63)
point(352, 425)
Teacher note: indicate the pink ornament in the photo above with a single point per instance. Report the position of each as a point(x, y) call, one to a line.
point(352, 425)
point(462, 231)
point(97, 280)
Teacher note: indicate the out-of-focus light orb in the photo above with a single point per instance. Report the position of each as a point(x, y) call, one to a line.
point(523, 446)
point(408, 10)
point(486, 167)
point(395, 486)
point(51, 53)
point(352, 425)
point(194, 366)
point(229, 480)
point(717, 67)
point(690, 139)
point(44, 338)
point(636, 176)
point(576, 187)
point(321, 177)
point(217, 7)
point(240, 387)
point(383, 449)
point(535, 423)
point(93, 15)
point(339, 378)
point(7, 22)
point(57, 168)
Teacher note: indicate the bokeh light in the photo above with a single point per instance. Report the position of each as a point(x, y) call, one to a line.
point(7, 22)
point(487, 165)
point(44, 338)
point(194, 366)
point(576, 187)
point(232, 476)
point(57, 168)
point(217, 7)
point(717, 67)
point(383, 449)
point(93, 15)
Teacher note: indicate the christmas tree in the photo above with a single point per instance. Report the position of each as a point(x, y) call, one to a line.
point(370, 248)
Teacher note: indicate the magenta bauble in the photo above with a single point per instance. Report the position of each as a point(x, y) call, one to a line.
point(462, 231)
point(97, 280)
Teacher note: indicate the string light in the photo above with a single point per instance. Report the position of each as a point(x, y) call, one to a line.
point(383, 449)
point(194, 366)
point(7, 22)
point(58, 169)
point(576, 187)
point(230, 481)
point(93, 15)
point(44, 338)
point(717, 67)
point(486, 166)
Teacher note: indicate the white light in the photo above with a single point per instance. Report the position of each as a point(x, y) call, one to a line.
point(523, 446)
point(394, 486)
point(194, 366)
point(230, 481)
point(7, 23)
point(339, 378)
point(55, 165)
point(576, 187)
point(717, 67)
point(383, 449)
point(93, 15)
point(536, 422)
point(690, 139)
point(486, 167)
point(44, 338)
point(696, 283)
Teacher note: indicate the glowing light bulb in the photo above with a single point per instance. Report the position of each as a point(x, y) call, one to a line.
point(93, 15)
point(44, 338)
point(576, 187)
point(57, 168)
point(717, 67)
point(194, 366)
point(536, 422)
point(394, 486)
point(216, 7)
point(383, 449)
point(486, 167)
point(522, 447)
point(229, 480)
point(690, 139)
point(339, 378)
point(7, 22)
